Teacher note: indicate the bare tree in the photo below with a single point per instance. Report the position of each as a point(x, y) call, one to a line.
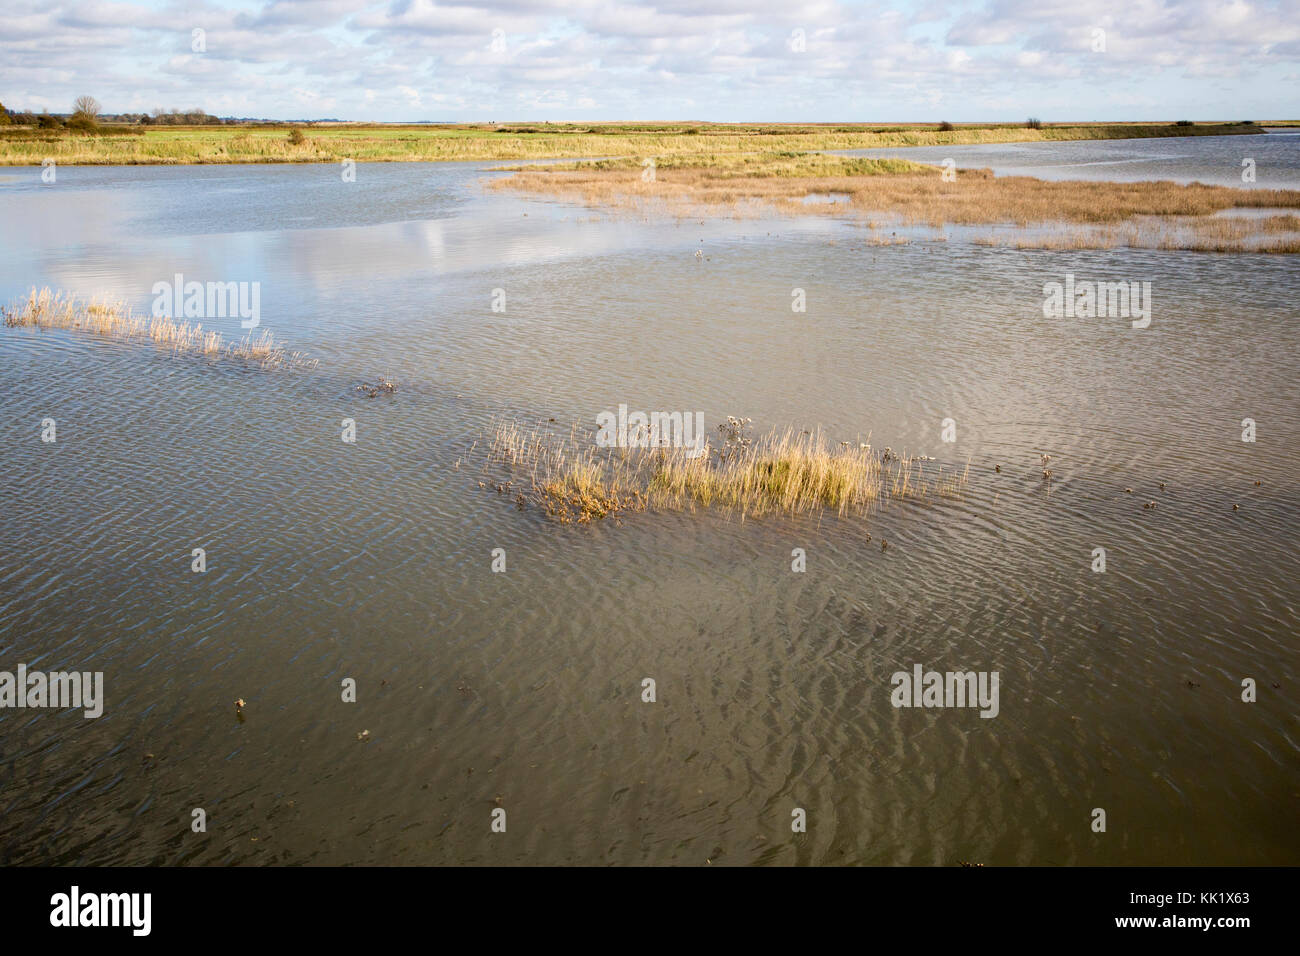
point(86, 106)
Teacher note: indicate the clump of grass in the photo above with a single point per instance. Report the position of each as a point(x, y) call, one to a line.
point(46, 309)
point(783, 472)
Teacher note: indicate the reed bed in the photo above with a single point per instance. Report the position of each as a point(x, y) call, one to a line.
point(783, 472)
point(1269, 234)
point(1166, 214)
point(46, 309)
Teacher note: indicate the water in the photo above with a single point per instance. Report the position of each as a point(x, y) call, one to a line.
point(522, 690)
point(1214, 160)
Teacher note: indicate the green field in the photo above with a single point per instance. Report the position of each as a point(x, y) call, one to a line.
point(334, 142)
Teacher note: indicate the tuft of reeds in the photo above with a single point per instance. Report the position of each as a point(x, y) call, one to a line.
point(46, 309)
point(783, 472)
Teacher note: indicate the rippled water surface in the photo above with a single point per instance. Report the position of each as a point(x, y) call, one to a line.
point(522, 690)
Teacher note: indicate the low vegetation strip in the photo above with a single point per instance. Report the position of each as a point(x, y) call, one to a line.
point(105, 144)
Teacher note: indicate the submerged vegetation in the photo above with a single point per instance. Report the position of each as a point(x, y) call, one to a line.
point(1221, 233)
point(1160, 215)
point(383, 386)
point(104, 143)
point(45, 309)
point(571, 479)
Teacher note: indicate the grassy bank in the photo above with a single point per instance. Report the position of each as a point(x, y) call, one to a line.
point(331, 143)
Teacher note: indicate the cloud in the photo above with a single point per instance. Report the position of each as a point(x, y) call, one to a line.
point(706, 59)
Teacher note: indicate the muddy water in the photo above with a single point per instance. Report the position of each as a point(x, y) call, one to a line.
point(522, 690)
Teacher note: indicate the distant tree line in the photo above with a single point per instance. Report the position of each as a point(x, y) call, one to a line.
point(193, 117)
point(86, 115)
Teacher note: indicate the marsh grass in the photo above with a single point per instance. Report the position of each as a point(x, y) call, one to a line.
point(1157, 215)
point(783, 472)
point(333, 142)
point(46, 309)
point(1268, 234)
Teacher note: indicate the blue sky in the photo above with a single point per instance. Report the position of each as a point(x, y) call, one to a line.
point(741, 60)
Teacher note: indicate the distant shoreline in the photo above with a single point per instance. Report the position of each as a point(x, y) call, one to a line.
point(370, 143)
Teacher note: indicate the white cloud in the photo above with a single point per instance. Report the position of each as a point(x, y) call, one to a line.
point(732, 59)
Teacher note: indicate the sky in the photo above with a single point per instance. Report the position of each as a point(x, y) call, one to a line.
point(719, 60)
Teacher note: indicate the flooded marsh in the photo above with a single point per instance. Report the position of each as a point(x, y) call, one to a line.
point(933, 457)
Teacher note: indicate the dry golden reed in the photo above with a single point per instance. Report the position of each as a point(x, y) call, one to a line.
point(1157, 215)
point(46, 309)
point(783, 472)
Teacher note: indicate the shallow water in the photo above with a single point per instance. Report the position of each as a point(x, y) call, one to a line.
point(1214, 160)
point(523, 690)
